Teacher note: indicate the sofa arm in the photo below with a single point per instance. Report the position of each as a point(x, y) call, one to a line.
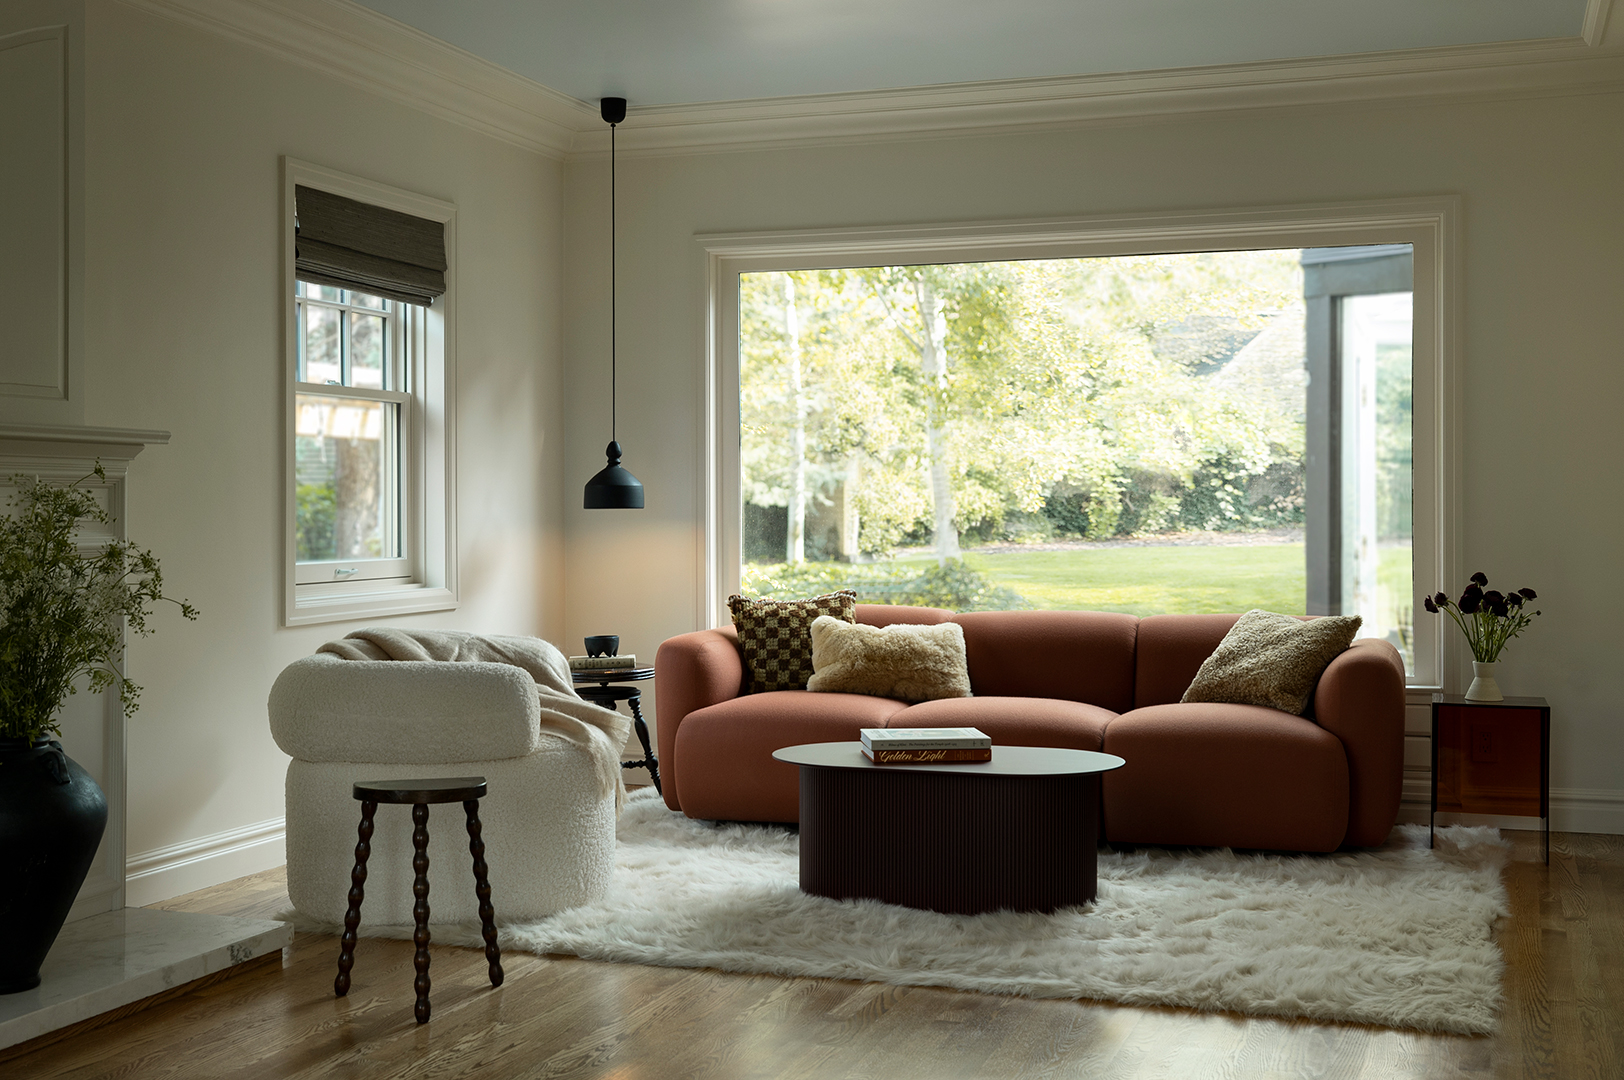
point(325, 708)
point(692, 672)
point(1360, 700)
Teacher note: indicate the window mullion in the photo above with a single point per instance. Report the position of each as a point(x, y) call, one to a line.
point(396, 425)
point(394, 339)
point(344, 376)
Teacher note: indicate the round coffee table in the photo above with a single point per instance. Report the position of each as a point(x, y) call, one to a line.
point(1016, 833)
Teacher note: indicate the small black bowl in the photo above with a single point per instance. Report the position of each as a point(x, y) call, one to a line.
point(603, 645)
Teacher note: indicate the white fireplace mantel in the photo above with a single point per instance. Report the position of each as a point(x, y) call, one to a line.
point(92, 724)
point(109, 956)
point(76, 442)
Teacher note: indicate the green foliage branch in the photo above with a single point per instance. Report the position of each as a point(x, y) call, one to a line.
point(1074, 391)
point(61, 611)
point(316, 520)
point(952, 585)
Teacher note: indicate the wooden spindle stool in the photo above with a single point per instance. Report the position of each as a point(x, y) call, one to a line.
point(467, 790)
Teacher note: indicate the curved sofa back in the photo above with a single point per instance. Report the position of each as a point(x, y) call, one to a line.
point(1170, 651)
point(1085, 656)
point(886, 614)
point(1118, 662)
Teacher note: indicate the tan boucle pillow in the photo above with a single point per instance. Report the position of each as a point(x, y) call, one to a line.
point(903, 660)
point(1273, 660)
point(775, 636)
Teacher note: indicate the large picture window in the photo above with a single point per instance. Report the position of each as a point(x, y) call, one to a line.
point(370, 524)
point(1182, 430)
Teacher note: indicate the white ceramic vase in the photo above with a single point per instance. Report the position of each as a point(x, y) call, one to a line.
point(1483, 687)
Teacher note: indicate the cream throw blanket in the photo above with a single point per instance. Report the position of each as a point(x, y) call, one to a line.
point(599, 731)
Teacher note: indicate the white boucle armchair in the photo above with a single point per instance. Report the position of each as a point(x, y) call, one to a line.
point(549, 831)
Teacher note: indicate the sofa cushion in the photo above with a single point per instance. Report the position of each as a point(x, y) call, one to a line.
point(903, 661)
point(1014, 721)
point(1225, 775)
point(1072, 655)
point(775, 636)
point(1272, 660)
point(728, 771)
point(1171, 650)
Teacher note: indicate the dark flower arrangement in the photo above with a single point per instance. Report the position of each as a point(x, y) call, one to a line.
point(1488, 618)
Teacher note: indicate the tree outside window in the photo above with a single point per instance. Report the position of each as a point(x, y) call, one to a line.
point(1023, 420)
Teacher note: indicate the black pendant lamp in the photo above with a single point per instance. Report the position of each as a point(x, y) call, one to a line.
point(613, 488)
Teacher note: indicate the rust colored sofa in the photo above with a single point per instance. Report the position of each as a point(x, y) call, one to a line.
point(1241, 776)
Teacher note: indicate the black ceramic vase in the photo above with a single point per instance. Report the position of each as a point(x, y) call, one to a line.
point(52, 816)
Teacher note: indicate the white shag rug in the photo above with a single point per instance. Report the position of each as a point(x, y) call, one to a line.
point(1399, 937)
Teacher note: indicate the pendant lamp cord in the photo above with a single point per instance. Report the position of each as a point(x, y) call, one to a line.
point(614, 319)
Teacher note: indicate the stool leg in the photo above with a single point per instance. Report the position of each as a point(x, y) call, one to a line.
point(641, 728)
point(352, 917)
point(420, 910)
point(482, 890)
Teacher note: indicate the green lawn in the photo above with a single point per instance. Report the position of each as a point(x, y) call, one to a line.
point(1154, 580)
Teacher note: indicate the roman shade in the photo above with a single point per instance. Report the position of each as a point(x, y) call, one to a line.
point(355, 245)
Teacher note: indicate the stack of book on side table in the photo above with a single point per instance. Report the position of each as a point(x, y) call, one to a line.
point(627, 662)
point(913, 746)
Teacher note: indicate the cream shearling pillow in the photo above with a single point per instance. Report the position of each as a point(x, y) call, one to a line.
point(903, 661)
point(1273, 660)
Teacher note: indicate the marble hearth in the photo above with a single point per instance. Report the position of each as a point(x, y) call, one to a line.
point(110, 960)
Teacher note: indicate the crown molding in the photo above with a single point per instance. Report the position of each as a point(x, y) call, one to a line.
point(343, 39)
point(1521, 69)
point(358, 45)
point(1595, 25)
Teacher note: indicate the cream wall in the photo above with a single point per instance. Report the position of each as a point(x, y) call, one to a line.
point(1542, 363)
point(183, 331)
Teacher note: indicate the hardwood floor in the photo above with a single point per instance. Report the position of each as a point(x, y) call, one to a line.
point(563, 1017)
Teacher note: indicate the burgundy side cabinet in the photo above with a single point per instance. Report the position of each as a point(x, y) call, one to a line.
point(1492, 757)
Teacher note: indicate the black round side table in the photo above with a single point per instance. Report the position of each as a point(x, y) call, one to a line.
point(598, 687)
point(467, 790)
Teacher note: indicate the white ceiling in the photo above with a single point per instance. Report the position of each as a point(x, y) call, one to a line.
point(665, 52)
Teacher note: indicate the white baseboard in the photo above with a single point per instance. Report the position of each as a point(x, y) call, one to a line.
point(170, 871)
point(1594, 810)
point(1584, 810)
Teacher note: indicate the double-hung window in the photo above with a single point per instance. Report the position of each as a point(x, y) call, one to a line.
point(352, 418)
point(370, 472)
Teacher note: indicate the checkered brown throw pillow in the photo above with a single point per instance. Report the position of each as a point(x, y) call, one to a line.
point(776, 636)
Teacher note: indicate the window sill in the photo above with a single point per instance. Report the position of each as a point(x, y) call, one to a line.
point(307, 609)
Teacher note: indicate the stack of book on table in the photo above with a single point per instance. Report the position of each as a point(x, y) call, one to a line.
point(627, 662)
point(915, 746)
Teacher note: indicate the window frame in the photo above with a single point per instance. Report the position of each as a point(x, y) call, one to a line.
point(423, 352)
point(1430, 225)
